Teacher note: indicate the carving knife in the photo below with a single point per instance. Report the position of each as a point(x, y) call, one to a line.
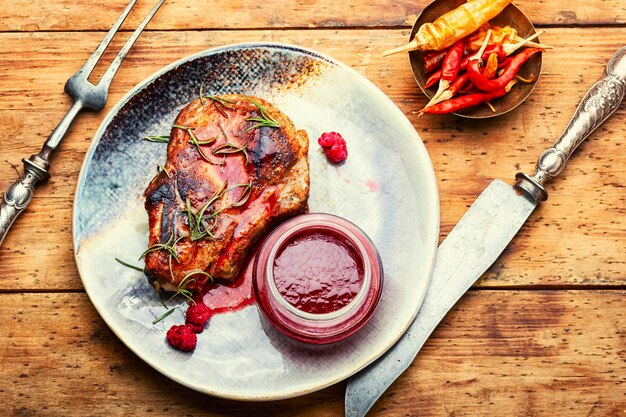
point(481, 236)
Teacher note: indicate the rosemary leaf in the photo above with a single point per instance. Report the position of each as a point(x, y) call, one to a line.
point(245, 194)
point(219, 103)
point(161, 169)
point(167, 313)
point(127, 265)
point(169, 247)
point(197, 143)
point(264, 120)
point(197, 221)
point(229, 148)
point(201, 95)
point(157, 138)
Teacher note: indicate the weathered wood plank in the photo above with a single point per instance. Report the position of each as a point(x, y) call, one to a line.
point(62, 15)
point(496, 353)
point(576, 238)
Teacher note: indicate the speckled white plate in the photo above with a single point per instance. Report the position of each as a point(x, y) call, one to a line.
point(387, 187)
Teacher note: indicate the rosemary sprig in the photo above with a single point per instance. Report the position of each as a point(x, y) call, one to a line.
point(198, 227)
point(197, 143)
point(245, 194)
point(218, 102)
point(157, 138)
point(194, 139)
point(127, 265)
point(264, 120)
point(161, 169)
point(184, 283)
point(201, 95)
point(229, 148)
point(164, 315)
point(169, 247)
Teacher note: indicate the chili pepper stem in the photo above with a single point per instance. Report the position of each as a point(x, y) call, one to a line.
point(510, 48)
point(445, 95)
point(443, 87)
point(411, 46)
point(533, 44)
point(479, 55)
point(526, 80)
point(488, 103)
point(510, 85)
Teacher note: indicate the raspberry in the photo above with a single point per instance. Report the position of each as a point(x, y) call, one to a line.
point(328, 139)
point(197, 316)
point(338, 152)
point(334, 146)
point(182, 338)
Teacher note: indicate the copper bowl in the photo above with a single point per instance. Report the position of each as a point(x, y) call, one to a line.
point(510, 16)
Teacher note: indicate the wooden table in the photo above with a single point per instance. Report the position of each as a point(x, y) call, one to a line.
point(543, 332)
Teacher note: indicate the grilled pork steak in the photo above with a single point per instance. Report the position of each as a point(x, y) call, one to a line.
point(230, 173)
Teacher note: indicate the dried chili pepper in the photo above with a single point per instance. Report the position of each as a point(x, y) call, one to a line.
point(463, 102)
point(501, 50)
point(449, 69)
point(500, 36)
point(503, 63)
point(497, 49)
point(432, 80)
point(493, 49)
point(460, 82)
point(484, 84)
point(491, 67)
point(433, 60)
point(453, 26)
point(452, 61)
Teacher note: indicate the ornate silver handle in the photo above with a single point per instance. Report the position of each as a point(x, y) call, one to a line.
point(19, 195)
point(602, 99)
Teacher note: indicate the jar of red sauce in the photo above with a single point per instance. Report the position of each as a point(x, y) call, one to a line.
point(318, 278)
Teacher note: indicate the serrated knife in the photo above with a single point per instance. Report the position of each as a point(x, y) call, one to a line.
point(481, 236)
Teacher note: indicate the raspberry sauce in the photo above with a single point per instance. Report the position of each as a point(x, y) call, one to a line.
point(318, 278)
point(318, 272)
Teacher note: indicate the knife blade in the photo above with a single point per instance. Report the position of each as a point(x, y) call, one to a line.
point(482, 235)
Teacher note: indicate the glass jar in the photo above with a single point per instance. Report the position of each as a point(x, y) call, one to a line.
point(318, 278)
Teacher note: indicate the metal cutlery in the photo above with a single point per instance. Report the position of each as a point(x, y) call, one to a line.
point(482, 234)
point(86, 96)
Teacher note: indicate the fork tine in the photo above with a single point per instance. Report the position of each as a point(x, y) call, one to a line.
point(110, 72)
point(90, 64)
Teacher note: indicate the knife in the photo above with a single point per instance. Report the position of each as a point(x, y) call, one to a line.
point(482, 234)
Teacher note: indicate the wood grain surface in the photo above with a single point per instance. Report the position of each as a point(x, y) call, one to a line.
point(523, 352)
point(63, 15)
point(541, 333)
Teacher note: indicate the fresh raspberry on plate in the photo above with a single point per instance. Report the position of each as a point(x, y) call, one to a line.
point(334, 146)
point(197, 316)
point(182, 338)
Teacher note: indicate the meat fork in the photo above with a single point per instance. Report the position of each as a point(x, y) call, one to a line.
point(86, 96)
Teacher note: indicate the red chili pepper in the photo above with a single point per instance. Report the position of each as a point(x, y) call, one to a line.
point(504, 63)
point(432, 80)
point(459, 83)
point(463, 102)
point(492, 49)
point(484, 84)
point(433, 60)
point(491, 67)
point(452, 61)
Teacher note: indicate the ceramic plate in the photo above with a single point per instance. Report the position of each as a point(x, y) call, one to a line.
point(387, 187)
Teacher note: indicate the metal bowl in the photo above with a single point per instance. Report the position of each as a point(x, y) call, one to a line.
point(510, 16)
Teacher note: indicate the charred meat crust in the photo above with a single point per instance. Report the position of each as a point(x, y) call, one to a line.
point(259, 175)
